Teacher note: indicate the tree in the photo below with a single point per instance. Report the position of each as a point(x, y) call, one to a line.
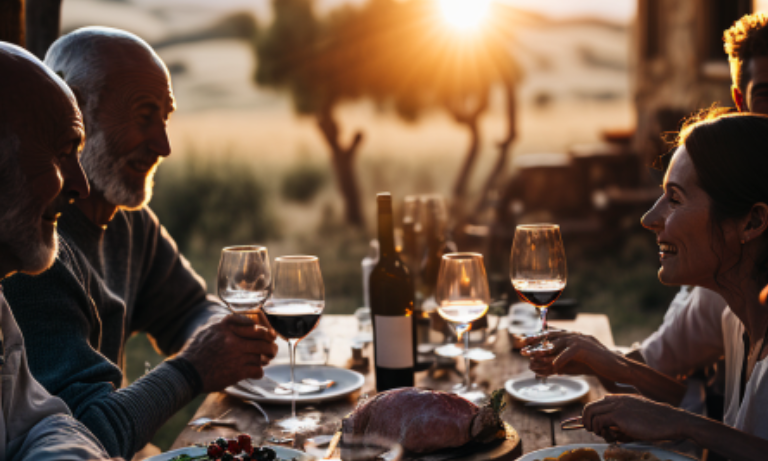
point(397, 53)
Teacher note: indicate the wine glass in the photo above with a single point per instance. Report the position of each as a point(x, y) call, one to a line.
point(244, 278)
point(462, 297)
point(294, 311)
point(538, 272)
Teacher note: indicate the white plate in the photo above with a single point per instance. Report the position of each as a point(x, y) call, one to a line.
point(346, 382)
point(286, 454)
point(575, 389)
point(554, 452)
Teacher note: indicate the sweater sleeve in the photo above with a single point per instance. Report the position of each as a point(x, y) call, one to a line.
point(172, 302)
point(57, 316)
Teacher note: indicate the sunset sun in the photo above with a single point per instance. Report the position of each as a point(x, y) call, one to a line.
point(464, 14)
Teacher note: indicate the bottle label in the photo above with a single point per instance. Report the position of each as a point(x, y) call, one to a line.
point(394, 342)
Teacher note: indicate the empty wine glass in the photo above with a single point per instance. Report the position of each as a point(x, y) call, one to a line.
point(294, 311)
point(462, 297)
point(244, 278)
point(538, 271)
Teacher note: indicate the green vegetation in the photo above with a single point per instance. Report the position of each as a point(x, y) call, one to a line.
point(303, 182)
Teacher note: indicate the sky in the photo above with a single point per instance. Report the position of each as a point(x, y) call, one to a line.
point(615, 10)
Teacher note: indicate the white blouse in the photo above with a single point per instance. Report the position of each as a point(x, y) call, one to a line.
point(751, 415)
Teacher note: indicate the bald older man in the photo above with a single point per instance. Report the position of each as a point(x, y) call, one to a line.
point(120, 271)
point(41, 131)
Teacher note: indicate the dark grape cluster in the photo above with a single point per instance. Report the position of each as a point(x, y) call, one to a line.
point(240, 449)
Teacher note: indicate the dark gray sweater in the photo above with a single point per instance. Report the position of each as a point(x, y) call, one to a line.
point(76, 317)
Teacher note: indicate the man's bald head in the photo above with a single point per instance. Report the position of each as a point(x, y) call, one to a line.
point(124, 90)
point(41, 131)
point(85, 57)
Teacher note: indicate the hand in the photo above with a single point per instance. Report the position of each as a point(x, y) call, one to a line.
point(572, 354)
point(229, 351)
point(629, 417)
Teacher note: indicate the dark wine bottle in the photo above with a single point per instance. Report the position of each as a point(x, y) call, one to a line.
point(394, 335)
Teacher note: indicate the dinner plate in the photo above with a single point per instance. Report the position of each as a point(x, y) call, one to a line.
point(283, 454)
point(573, 389)
point(345, 383)
point(554, 452)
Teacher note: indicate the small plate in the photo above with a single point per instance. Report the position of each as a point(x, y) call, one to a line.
point(554, 452)
point(575, 389)
point(283, 454)
point(345, 383)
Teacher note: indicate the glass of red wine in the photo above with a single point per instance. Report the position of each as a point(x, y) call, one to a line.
point(294, 311)
point(538, 271)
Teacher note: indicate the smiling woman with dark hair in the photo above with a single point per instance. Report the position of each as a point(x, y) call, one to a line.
point(711, 226)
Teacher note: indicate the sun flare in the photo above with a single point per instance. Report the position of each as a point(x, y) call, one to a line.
point(464, 14)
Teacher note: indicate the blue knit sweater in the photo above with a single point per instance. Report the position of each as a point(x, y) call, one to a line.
point(105, 285)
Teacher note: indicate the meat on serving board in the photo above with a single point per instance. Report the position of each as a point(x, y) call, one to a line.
point(423, 421)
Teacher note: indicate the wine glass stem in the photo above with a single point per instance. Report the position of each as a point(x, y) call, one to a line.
point(292, 345)
point(543, 315)
point(463, 331)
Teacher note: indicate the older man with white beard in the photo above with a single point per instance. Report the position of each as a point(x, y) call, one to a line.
point(41, 131)
point(119, 271)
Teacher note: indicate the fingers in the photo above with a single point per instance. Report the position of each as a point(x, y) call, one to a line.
point(252, 331)
point(563, 359)
point(264, 348)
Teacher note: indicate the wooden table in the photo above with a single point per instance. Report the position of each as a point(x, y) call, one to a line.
point(537, 429)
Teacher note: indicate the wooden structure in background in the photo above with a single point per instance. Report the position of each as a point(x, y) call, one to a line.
point(12, 21)
point(43, 19)
point(680, 65)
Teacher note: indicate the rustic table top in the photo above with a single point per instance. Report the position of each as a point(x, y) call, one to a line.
point(538, 428)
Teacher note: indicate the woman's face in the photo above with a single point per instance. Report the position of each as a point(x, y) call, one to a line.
point(689, 251)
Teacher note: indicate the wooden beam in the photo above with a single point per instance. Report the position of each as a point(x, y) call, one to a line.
point(43, 24)
point(12, 21)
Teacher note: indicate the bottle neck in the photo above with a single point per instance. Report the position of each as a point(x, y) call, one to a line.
point(386, 230)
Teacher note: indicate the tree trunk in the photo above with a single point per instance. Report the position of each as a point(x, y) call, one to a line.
point(43, 23)
point(501, 162)
point(12, 21)
point(460, 186)
point(467, 111)
point(343, 165)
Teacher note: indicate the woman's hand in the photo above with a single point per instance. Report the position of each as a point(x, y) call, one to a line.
point(629, 417)
point(572, 354)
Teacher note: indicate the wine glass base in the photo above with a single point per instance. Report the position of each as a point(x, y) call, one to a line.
point(297, 424)
point(449, 350)
point(473, 395)
point(477, 354)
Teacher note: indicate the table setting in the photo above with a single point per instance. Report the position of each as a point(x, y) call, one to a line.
point(357, 376)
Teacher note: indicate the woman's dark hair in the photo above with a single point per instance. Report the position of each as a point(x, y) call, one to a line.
point(730, 156)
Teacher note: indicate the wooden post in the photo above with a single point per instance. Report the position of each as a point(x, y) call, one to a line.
point(12, 21)
point(43, 23)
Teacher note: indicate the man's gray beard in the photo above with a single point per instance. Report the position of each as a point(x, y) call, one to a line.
point(20, 223)
point(106, 174)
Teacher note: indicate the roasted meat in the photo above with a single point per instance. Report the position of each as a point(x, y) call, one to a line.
point(424, 421)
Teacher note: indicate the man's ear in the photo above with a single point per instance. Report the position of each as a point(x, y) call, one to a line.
point(756, 223)
point(738, 98)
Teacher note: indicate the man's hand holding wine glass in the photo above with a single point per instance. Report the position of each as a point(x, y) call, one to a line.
point(226, 352)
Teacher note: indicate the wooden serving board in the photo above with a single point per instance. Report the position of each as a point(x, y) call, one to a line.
point(508, 449)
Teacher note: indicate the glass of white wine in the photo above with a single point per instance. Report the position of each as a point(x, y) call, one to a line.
point(462, 297)
point(538, 271)
point(244, 278)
